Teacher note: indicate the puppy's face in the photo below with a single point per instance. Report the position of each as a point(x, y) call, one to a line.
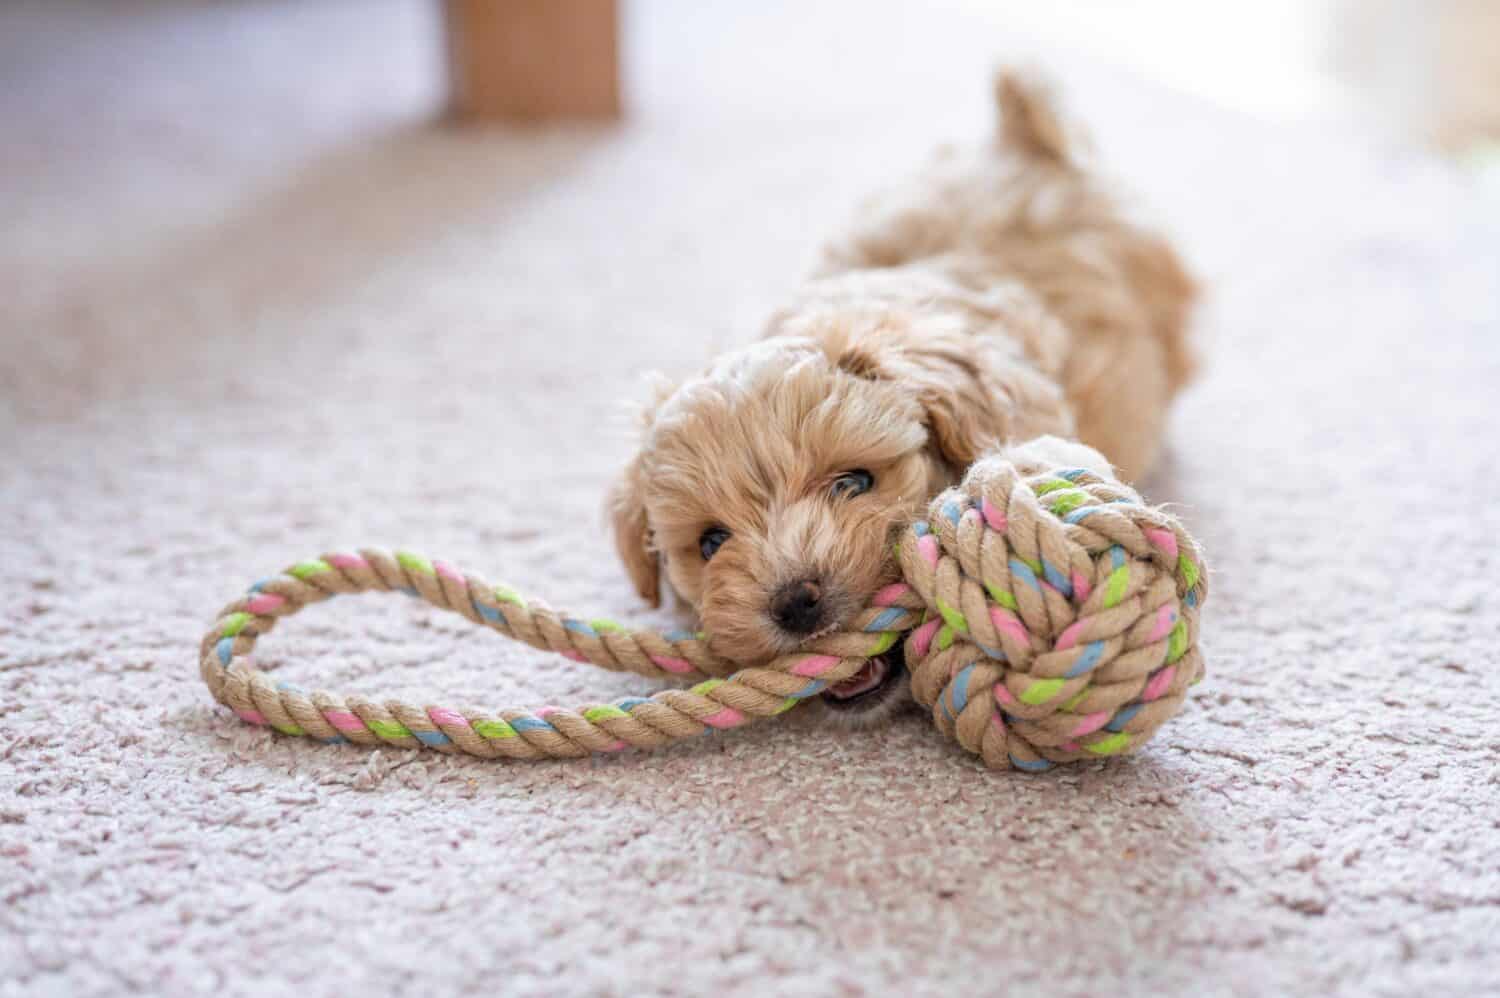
point(773, 486)
point(769, 491)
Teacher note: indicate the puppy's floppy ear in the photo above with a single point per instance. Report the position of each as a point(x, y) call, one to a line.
point(627, 509)
point(976, 390)
point(955, 377)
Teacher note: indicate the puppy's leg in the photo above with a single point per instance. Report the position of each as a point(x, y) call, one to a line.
point(1116, 381)
point(1049, 451)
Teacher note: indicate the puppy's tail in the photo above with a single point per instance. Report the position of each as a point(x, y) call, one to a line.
point(1029, 119)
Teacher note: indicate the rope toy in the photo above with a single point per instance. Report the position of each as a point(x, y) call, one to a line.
point(1048, 615)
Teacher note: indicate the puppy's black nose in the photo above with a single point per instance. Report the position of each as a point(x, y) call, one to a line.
point(797, 607)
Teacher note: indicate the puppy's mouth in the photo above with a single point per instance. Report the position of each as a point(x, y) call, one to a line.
point(872, 686)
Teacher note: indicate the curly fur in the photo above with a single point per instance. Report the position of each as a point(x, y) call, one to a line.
point(999, 297)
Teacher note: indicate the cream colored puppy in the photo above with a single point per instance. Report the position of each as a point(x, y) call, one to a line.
point(997, 298)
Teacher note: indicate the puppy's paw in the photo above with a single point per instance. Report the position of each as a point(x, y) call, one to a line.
point(1049, 451)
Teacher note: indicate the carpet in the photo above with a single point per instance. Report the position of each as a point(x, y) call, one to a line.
point(258, 304)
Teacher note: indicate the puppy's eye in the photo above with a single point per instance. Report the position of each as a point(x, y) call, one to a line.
point(853, 483)
point(711, 540)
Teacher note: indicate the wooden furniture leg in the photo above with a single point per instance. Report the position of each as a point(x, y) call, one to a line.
point(533, 60)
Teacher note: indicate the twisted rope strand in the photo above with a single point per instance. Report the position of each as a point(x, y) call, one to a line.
point(1048, 616)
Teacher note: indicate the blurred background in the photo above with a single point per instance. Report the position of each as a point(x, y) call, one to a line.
point(286, 146)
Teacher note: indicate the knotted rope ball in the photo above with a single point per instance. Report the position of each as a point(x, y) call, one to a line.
point(1047, 615)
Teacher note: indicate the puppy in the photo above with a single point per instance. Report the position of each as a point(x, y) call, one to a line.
point(1000, 297)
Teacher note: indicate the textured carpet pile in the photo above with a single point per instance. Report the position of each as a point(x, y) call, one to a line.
point(256, 305)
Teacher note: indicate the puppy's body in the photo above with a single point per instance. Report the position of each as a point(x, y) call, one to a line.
point(1028, 247)
point(998, 298)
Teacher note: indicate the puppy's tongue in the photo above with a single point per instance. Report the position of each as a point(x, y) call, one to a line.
point(867, 678)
